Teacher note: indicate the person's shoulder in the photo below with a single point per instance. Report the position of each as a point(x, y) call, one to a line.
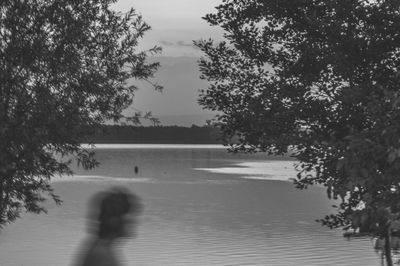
point(99, 255)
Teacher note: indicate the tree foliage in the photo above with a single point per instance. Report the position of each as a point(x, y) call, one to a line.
point(64, 67)
point(323, 78)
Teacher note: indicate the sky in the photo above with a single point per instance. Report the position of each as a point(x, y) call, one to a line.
point(175, 24)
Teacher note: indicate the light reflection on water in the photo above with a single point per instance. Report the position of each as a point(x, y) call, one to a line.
point(214, 215)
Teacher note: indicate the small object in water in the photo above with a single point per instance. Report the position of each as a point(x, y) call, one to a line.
point(136, 170)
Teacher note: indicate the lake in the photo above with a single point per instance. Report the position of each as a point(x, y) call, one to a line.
point(202, 206)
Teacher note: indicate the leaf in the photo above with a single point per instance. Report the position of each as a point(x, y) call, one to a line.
point(364, 173)
point(392, 156)
point(340, 164)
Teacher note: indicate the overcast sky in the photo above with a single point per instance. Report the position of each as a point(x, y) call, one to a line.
point(175, 24)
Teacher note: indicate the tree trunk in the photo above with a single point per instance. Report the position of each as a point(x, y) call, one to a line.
point(388, 252)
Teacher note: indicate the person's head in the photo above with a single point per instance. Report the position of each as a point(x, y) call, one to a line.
point(115, 212)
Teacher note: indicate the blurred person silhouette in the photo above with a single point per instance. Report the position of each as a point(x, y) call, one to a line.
point(112, 215)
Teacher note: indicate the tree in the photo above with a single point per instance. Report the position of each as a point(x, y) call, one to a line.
point(64, 69)
point(319, 78)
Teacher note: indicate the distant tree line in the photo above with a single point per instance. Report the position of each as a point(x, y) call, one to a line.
point(158, 135)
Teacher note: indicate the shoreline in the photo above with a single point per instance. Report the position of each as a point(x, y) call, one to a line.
point(152, 146)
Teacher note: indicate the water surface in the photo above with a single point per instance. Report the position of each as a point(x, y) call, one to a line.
point(203, 206)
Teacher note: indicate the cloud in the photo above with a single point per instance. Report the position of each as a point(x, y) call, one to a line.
point(178, 44)
point(182, 43)
point(167, 43)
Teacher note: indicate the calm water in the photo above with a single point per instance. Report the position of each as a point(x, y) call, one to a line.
point(203, 206)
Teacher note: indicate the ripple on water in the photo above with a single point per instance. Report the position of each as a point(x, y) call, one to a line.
point(208, 247)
